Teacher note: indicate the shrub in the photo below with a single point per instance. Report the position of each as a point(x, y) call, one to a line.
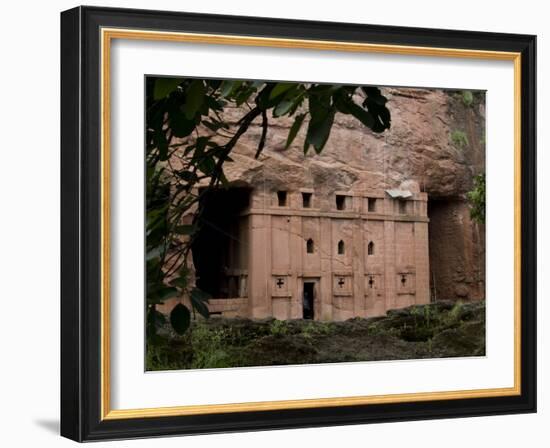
point(279, 328)
point(208, 347)
point(312, 329)
point(459, 138)
point(453, 317)
point(467, 98)
point(476, 198)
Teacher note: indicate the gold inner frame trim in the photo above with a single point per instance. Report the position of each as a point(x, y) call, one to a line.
point(107, 35)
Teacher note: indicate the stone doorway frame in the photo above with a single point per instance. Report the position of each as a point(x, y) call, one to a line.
point(316, 296)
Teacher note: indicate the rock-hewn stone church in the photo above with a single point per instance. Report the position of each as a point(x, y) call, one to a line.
point(299, 254)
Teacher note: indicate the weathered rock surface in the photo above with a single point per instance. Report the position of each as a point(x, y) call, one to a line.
point(422, 145)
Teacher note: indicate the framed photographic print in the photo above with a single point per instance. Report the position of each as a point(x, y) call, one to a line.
point(272, 223)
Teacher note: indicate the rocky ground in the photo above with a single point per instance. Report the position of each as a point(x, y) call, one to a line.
point(437, 330)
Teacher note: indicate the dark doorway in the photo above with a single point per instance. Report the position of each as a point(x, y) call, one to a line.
point(215, 249)
point(308, 300)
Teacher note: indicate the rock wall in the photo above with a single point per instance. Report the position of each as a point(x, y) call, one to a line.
point(436, 144)
point(457, 252)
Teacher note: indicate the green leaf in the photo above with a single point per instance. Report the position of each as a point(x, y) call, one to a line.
point(153, 268)
point(257, 84)
point(283, 107)
point(374, 94)
point(280, 88)
point(225, 88)
point(213, 103)
point(201, 308)
point(154, 253)
point(195, 98)
point(160, 142)
point(341, 100)
point(380, 114)
point(228, 88)
point(183, 279)
point(188, 176)
point(207, 165)
point(202, 142)
point(244, 95)
point(165, 86)
point(159, 294)
point(180, 282)
point(294, 129)
point(180, 318)
point(200, 295)
point(167, 292)
point(199, 299)
point(361, 114)
point(223, 179)
point(155, 319)
point(180, 125)
point(319, 131)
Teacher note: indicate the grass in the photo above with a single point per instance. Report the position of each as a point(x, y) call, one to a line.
point(442, 329)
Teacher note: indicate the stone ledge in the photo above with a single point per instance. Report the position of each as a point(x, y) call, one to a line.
point(335, 215)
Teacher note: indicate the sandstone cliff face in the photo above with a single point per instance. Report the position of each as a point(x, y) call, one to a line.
point(435, 144)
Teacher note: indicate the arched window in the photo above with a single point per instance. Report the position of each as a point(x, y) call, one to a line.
point(341, 248)
point(309, 246)
point(370, 248)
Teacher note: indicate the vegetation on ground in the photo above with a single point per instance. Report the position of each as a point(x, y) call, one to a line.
point(437, 330)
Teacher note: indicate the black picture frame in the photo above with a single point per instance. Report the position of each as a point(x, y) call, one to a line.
point(81, 380)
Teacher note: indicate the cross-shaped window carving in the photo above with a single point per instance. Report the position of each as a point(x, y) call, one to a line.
point(280, 283)
point(371, 281)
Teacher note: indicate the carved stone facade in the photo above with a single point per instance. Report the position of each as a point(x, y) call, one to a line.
point(302, 254)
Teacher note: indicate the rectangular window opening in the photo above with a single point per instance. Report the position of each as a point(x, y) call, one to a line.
point(281, 198)
point(306, 200)
point(371, 204)
point(340, 202)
